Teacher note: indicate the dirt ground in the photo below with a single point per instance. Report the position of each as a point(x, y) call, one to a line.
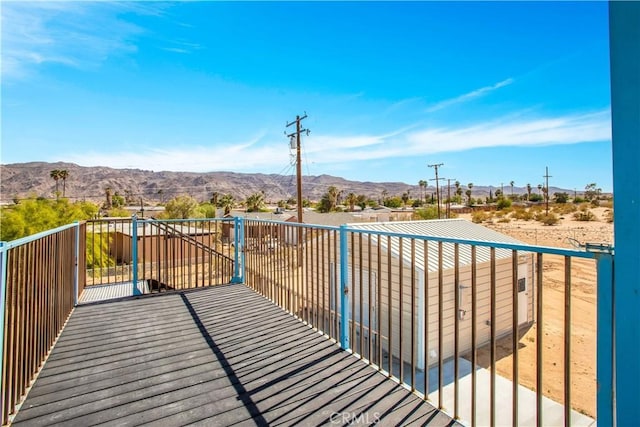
point(583, 311)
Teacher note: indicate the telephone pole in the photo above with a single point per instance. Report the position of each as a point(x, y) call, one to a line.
point(449, 196)
point(546, 193)
point(436, 166)
point(297, 133)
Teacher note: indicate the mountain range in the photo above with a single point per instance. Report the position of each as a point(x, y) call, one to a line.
point(24, 180)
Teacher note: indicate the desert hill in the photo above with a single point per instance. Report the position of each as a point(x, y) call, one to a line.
point(33, 179)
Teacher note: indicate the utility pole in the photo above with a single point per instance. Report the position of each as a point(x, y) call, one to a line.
point(449, 196)
point(297, 133)
point(436, 166)
point(546, 193)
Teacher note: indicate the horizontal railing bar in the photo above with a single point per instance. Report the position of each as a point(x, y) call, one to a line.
point(497, 245)
point(28, 239)
point(294, 224)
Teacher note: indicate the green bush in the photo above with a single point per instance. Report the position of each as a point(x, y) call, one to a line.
point(503, 203)
point(430, 212)
point(35, 215)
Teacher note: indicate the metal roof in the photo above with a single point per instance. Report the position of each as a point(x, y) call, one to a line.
point(446, 228)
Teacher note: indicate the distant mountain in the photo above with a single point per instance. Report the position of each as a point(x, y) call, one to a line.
point(33, 179)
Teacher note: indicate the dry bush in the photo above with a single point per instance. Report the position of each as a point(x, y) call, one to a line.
point(608, 215)
point(504, 219)
point(480, 216)
point(585, 215)
point(523, 214)
point(550, 219)
point(564, 208)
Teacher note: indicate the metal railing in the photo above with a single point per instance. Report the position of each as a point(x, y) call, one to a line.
point(164, 254)
point(465, 324)
point(39, 285)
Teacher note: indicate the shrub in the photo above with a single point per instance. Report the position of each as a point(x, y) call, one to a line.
point(608, 216)
point(550, 219)
point(563, 209)
point(523, 214)
point(584, 215)
point(503, 203)
point(430, 212)
point(479, 216)
point(505, 219)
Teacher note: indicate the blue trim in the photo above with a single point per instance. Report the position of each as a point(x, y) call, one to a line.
point(134, 252)
point(605, 327)
point(12, 244)
point(238, 233)
point(624, 48)
point(498, 245)
point(3, 294)
point(76, 273)
point(344, 289)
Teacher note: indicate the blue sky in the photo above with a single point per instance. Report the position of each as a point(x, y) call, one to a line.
point(494, 90)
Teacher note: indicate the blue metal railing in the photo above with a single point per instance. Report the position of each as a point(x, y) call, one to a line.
point(295, 275)
point(39, 282)
point(377, 294)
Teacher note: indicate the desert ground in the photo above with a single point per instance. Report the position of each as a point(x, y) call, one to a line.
point(583, 310)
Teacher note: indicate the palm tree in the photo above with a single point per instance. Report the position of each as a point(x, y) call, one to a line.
point(384, 196)
point(511, 183)
point(255, 202)
point(405, 198)
point(540, 189)
point(528, 192)
point(458, 192)
point(333, 193)
point(227, 202)
point(64, 174)
point(351, 200)
point(107, 194)
point(55, 174)
point(423, 187)
point(469, 186)
point(214, 198)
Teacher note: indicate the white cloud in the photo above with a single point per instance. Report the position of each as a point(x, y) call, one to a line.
point(512, 131)
point(76, 34)
point(468, 96)
point(246, 156)
point(263, 155)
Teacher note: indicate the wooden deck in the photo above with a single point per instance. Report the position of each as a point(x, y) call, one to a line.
point(215, 356)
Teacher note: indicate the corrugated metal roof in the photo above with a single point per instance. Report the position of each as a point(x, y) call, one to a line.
point(447, 228)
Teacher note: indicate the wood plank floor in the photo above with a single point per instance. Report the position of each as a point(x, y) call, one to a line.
point(216, 356)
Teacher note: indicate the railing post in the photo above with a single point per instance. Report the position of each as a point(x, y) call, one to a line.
point(605, 340)
point(134, 251)
point(624, 50)
point(344, 289)
point(238, 253)
point(3, 295)
point(76, 274)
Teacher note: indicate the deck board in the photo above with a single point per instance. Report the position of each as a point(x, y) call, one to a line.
point(216, 356)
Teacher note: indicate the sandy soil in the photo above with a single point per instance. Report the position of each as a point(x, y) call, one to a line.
point(583, 311)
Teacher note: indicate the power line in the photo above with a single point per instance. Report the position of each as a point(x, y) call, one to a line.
point(546, 176)
point(297, 133)
point(436, 166)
